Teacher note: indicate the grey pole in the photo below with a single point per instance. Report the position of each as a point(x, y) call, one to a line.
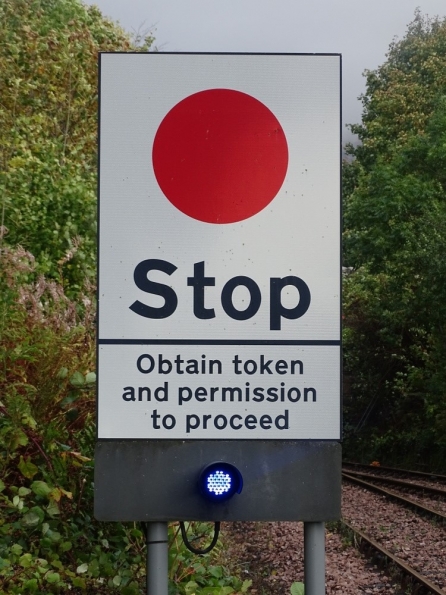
point(157, 559)
point(314, 558)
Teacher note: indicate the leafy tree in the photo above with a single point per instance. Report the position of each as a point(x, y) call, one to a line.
point(395, 230)
point(402, 94)
point(48, 82)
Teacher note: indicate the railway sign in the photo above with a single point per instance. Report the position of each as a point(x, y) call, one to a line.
point(219, 245)
point(219, 249)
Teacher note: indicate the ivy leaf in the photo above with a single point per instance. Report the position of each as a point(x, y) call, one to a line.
point(77, 379)
point(82, 568)
point(90, 378)
point(53, 509)
point(31, 585)
point(57, 564)
point(42, 562)
point(16, 549)
point(33, 517)
point(41, 488)
point(57, 494)
point(54, 536)
point(27, 469)
point(29, 421)
point(62, 373)
point(53, 577)
point(297, 589)
point(190, 587)
point(26, 560)
point(19, 438)
point(65, 546)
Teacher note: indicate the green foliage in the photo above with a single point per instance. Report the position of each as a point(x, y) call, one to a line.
point(401, 95)
point(48, 77)
point(394, 235)
point(44, 473)
point(297, 589)
point(189, 574)
point(49, 540)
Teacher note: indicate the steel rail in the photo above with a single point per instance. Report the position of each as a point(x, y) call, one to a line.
point(397, 561)
point(406, 501)
point(434, 476)
point(400, 482)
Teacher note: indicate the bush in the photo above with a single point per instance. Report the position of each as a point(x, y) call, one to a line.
point(49, 540)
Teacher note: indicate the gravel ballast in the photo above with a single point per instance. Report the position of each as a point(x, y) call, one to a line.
point(271, 554)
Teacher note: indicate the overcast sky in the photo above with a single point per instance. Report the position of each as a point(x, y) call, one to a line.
point(360, 30)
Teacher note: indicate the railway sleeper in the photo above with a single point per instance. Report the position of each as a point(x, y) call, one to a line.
point(408, 577)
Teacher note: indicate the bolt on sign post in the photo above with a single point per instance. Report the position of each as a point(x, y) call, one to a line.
point(219, 353)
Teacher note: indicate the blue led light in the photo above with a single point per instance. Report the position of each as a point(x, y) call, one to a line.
point(220, 481)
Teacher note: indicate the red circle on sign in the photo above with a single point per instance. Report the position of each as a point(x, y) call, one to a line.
point(220, 156)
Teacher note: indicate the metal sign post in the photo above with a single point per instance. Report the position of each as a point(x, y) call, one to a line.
point(314, 558)
point(157, 559)
point(219, 336)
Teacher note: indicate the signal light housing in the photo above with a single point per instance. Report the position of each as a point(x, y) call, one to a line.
point(219, 481)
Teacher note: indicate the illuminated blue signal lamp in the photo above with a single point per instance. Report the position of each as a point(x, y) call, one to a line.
point(220, 481)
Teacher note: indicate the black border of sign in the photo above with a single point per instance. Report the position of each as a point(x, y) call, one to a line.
point(214, 342)
point(223, 341)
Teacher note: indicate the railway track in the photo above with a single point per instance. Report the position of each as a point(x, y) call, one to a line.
point(408, 485)
point(414, 504)
point(415, 579)
point(395, 472)
point(372, 547)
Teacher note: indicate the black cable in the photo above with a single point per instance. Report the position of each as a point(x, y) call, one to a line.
point(196, 550)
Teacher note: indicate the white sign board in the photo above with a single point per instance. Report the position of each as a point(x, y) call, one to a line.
point(219, 250)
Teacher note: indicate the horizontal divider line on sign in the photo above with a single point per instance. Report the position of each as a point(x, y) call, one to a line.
point(329, 343)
